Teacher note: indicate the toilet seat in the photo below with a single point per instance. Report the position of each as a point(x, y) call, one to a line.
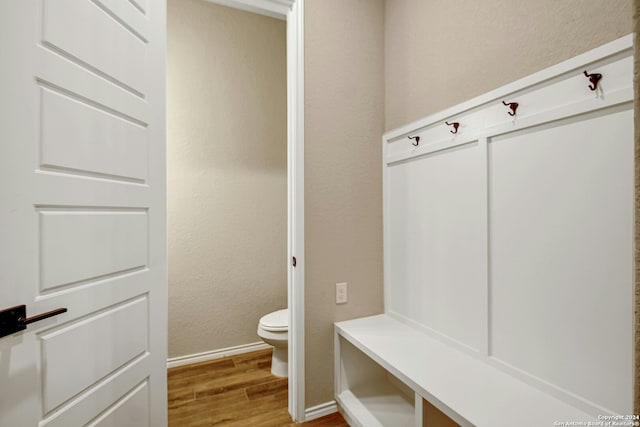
point(278, 321)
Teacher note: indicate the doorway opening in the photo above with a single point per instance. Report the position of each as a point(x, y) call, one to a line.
point(290, 12)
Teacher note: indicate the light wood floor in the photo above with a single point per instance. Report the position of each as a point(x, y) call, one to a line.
point(234, 391)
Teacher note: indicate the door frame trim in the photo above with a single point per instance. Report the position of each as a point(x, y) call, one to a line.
point(274, 8)
point(295, 201)
point(293, 12)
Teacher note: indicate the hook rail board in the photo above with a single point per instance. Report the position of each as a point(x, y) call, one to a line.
point(508, 247)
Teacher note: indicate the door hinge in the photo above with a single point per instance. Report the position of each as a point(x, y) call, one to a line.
point(293, 261)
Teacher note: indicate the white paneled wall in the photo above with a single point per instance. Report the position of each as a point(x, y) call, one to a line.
point(435, 228)
point(512, 239)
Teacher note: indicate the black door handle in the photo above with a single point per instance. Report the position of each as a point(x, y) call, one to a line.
point(42, 316)
point(15, 319)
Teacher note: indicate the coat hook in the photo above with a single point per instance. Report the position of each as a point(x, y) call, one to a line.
point(594, 79)
point(417, 138)
point(455, 125)
point(513, 106)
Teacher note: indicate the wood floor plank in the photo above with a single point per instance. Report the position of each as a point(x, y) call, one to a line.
point(235, 382)
point(195, 410)
point(260, 355)
point(238, 391)
point(276, 418)
point(240, 412)
point(332, 420)
point(177, 398)
point(268, 388)
point(218, 375)
point(200, 368)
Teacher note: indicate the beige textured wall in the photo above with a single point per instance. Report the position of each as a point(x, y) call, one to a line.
point(344, 116)
point(442, 52)
point(227, 174)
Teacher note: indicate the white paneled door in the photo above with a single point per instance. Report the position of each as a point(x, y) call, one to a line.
point(82, 212)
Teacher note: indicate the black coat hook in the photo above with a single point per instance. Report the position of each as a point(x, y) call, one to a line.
point(417, 138)
point(594, 79)
point(513, 106)
point(455, 125)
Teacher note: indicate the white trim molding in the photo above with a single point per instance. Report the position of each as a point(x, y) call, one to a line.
point(321, 410)
point(189, 359)
point(272, 8)
point(295, 198)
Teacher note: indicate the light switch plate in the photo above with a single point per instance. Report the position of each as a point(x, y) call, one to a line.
point(341, 293)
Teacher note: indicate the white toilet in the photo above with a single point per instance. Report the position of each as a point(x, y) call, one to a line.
point(274, 330)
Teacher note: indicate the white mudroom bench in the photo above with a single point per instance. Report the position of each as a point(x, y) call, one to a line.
point(386, 370)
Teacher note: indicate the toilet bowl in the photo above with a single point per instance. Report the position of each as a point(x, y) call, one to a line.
point(273, 328)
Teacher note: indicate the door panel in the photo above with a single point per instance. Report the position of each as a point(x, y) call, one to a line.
point(128, 412)
point(94, 347)
point(127, 14)
point(82, 211)
point(62, 75)
point(97, 40)
point(70, 143)
point(140, 4)
point(99, 399)
point(76, 246)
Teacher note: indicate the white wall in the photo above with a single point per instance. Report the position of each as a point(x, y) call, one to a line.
point(227, 174)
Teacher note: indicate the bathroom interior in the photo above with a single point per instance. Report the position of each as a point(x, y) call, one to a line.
point(227, 175)
point(227, 182)
point(227, 185)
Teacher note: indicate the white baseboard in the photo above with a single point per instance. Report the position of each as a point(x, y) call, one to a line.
point(320, 410)
point(216, 354)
